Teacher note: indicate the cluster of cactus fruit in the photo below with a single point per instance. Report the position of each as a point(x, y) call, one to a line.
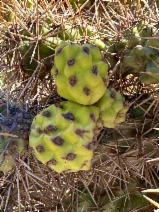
point(64, 136)
point(81, 77)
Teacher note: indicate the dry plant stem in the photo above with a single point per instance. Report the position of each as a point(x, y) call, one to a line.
point(29, 82)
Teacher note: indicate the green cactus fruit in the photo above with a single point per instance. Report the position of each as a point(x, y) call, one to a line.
point(113, 108)
point(69, 33)
point(101, 45)
point(62, 136)
point(79, 72)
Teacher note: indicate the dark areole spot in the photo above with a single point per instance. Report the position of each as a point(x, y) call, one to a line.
point(70, 156)
point(40, 148)
point(58, 51)
point(14, 147)
point(95, 70)
point(50, 129)
point(73, 80)
point(112, 95)
point(92, 117)
point(46, 113)
point(56, 72)
point(86, 91)
point(58, 105)
point(80, 132)
point(39, 131)
point(86, 50)
point(90, 146)
point(57, 141)
point(70, 62)
point(51, 162)
point(69, 116)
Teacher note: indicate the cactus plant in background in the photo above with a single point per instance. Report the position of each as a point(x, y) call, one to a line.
point(34, 43)
point(31, 53)
point(138, 55)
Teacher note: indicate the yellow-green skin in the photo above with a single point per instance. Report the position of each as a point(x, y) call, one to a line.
point(113, 110)
point(6, 159)
point(62, 136)
point(79, 72)
point(7, 165)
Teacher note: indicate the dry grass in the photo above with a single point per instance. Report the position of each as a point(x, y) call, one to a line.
point(122, 153)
